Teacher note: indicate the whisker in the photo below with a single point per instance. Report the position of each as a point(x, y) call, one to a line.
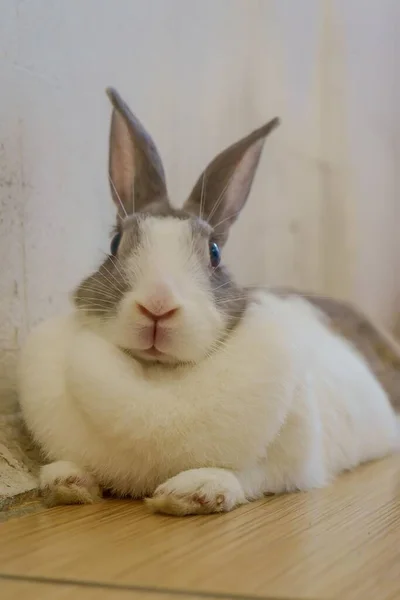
point(98, 315)
point(230, 298)
point(98, 287)
point(114, 278)
point(227, 219)
point(104, 314)
point(105, 301)
point(111, 284)
point(109, 272)
point(220, 344)
point(213, 270)
point(123, 275)
point(89, 318)
point(221, 286)
point(97, 296)
point(202, 195)
point(117, 195)
point(94, 307)
point(220, 197)
point(234, 299)
point(259, 285)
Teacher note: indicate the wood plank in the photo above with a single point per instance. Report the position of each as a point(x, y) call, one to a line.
point(15, 590)
point(343, 541)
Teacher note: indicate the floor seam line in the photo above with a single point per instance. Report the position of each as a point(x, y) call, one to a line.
point(162, 591)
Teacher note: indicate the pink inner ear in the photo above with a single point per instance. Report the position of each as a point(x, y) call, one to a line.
point(135, 165)
point(229, 177)
point(122, 164)
point(241, 180)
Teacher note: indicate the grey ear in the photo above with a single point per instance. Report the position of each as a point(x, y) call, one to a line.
point(223, 188)
point(135, 168)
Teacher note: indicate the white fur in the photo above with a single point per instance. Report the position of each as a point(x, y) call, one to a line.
point(283, 405)
point(165, 272)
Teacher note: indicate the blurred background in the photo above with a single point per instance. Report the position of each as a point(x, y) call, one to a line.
point(324, 211)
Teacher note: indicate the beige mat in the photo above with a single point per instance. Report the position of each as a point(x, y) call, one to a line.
point(19, 459)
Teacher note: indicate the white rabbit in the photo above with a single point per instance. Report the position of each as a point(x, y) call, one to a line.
point(169, 381)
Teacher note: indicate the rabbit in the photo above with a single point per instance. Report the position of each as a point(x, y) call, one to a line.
point(169, 382)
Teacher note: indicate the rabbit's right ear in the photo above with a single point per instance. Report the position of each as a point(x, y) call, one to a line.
point(135, 168)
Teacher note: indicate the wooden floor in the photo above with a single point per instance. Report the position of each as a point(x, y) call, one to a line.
point(342, 542)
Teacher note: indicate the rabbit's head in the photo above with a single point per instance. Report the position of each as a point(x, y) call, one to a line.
point(163, 293)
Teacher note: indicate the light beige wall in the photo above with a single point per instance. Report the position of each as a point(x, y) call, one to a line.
point(324, 211)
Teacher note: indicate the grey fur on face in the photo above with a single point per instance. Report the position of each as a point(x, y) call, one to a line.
point(230, 298)
point(100, 293)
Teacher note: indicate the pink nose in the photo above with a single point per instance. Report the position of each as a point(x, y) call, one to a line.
point(162, 315)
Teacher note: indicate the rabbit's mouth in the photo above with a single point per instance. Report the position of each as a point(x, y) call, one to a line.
point(153, 352)
point(152, 355)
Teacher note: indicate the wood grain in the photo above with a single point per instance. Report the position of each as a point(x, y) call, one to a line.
point(343, 541)
point(16, 590)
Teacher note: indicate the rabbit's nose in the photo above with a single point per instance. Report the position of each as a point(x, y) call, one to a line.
point(157, 315)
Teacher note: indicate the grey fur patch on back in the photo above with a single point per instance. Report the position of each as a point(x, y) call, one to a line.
point(380, 350)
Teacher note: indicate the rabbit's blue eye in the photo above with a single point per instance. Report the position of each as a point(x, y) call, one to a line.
point(215, 254)
point(115, 243)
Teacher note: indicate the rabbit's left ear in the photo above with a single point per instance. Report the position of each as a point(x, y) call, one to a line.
point(135, 168)
point(223, 188)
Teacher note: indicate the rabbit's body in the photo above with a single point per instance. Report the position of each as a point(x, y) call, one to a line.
point(169, 380)
point(284, 404)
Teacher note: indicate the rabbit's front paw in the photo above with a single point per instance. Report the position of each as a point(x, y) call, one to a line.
point(63, 482)
point(198, 491)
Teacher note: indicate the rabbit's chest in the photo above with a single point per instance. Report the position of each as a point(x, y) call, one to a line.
point(137, 430)
point(136, 433)
point(137, 468)
point(135, 449)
